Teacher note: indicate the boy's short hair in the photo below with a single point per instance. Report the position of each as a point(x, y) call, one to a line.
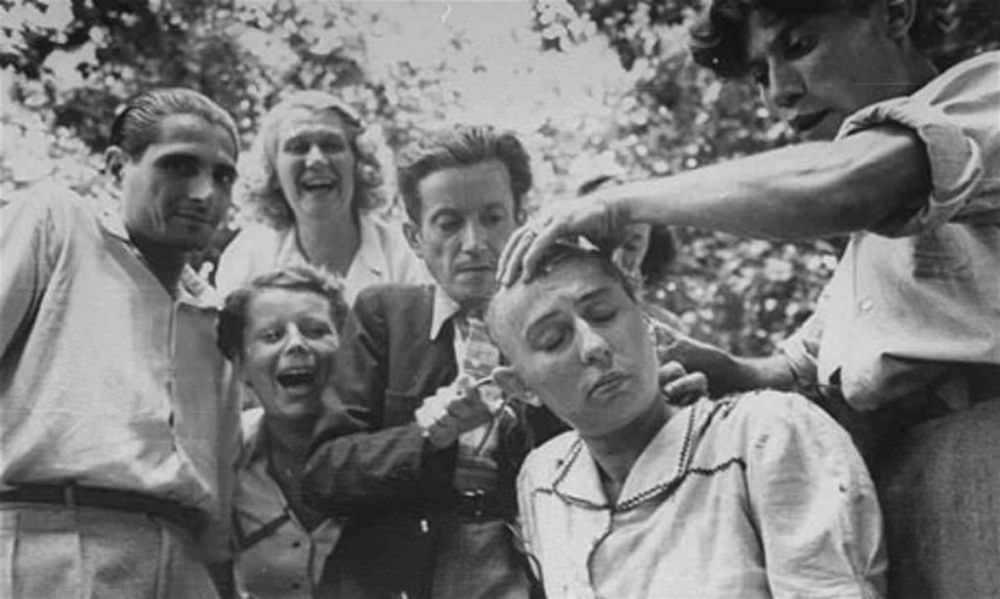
point(718, 38)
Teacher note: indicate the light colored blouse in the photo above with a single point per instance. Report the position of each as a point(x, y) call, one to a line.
point(384, 256)
point(276, 557)
point(755, 496)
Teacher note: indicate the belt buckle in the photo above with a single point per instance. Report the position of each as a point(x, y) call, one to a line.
point(475, 502)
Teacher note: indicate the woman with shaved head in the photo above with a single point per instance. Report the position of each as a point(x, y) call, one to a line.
point(757, 495)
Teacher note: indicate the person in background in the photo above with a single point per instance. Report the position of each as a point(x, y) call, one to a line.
point(902, 346)
point(281, 331)
point(116, 434)
point(753, 496)
point(313, 182)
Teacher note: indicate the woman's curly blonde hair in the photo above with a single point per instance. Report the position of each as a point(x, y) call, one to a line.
point(263, 191)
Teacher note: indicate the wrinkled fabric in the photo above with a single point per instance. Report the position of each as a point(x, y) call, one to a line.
point(760, 495)
point(105, 379)
point(50, 551)
point(913, 303)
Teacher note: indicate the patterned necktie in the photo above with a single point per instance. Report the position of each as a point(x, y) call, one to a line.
point(476, 467)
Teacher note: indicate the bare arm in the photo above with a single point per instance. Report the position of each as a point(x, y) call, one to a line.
point(727, 373)
point(808, 190)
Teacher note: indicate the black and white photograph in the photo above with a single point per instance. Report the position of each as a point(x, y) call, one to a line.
point(499, 299)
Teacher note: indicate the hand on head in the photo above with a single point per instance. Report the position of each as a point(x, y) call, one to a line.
point(596, 217)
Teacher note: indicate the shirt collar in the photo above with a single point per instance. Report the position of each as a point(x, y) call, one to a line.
point(253, 437)
point(371, 254)
point(443, 310)
point(657, 470)
point(191, 287)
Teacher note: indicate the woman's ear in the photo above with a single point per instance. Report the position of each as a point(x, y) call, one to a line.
point(114, 162)
point(900, 15)
point(511, 383)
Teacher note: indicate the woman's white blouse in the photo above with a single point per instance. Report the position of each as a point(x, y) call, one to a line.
point(384, 256)
point(761, 495)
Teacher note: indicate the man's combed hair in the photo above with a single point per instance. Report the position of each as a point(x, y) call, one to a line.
point(137, 124)
point(233, 317)
point(458, 147)
point(718, 38)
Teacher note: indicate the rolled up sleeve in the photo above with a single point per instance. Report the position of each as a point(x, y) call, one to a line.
point(957, 117)
point(815, 507)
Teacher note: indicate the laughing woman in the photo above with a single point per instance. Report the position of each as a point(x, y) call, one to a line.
point(280, 332)
point(313, 182)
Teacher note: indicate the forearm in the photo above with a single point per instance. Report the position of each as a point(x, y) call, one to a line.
point(771, 372)
point(807, 190)
point(727, 373)
point(375, 470)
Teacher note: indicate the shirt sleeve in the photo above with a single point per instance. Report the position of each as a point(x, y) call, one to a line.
point(217, 538)
point(29, 244)
point(801, 350)
point(957, 118)
point(814, 504)
point(356, 463)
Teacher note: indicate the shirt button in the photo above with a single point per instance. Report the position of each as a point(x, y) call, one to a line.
point(297, 544)
point(866, 305)
point(296, 586)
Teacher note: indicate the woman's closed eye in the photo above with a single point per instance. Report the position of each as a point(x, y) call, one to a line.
point(549, 338)
point(601, 312)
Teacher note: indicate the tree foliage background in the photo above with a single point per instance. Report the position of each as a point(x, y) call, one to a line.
point(591, 86)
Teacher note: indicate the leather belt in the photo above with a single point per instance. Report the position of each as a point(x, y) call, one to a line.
point(188, 518)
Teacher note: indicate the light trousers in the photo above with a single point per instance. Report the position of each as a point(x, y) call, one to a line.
point(89, 553)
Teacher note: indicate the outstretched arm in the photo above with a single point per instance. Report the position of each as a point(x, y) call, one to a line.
point(812, 189)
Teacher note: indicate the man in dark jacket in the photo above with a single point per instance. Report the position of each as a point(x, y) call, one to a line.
point(421, 462)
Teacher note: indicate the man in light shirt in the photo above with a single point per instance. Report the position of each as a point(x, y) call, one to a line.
point(116, 438)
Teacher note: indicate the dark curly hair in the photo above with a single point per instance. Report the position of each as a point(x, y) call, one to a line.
point(462, 145)
point(233, 317)
point(944, 30)
point(717, 39)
